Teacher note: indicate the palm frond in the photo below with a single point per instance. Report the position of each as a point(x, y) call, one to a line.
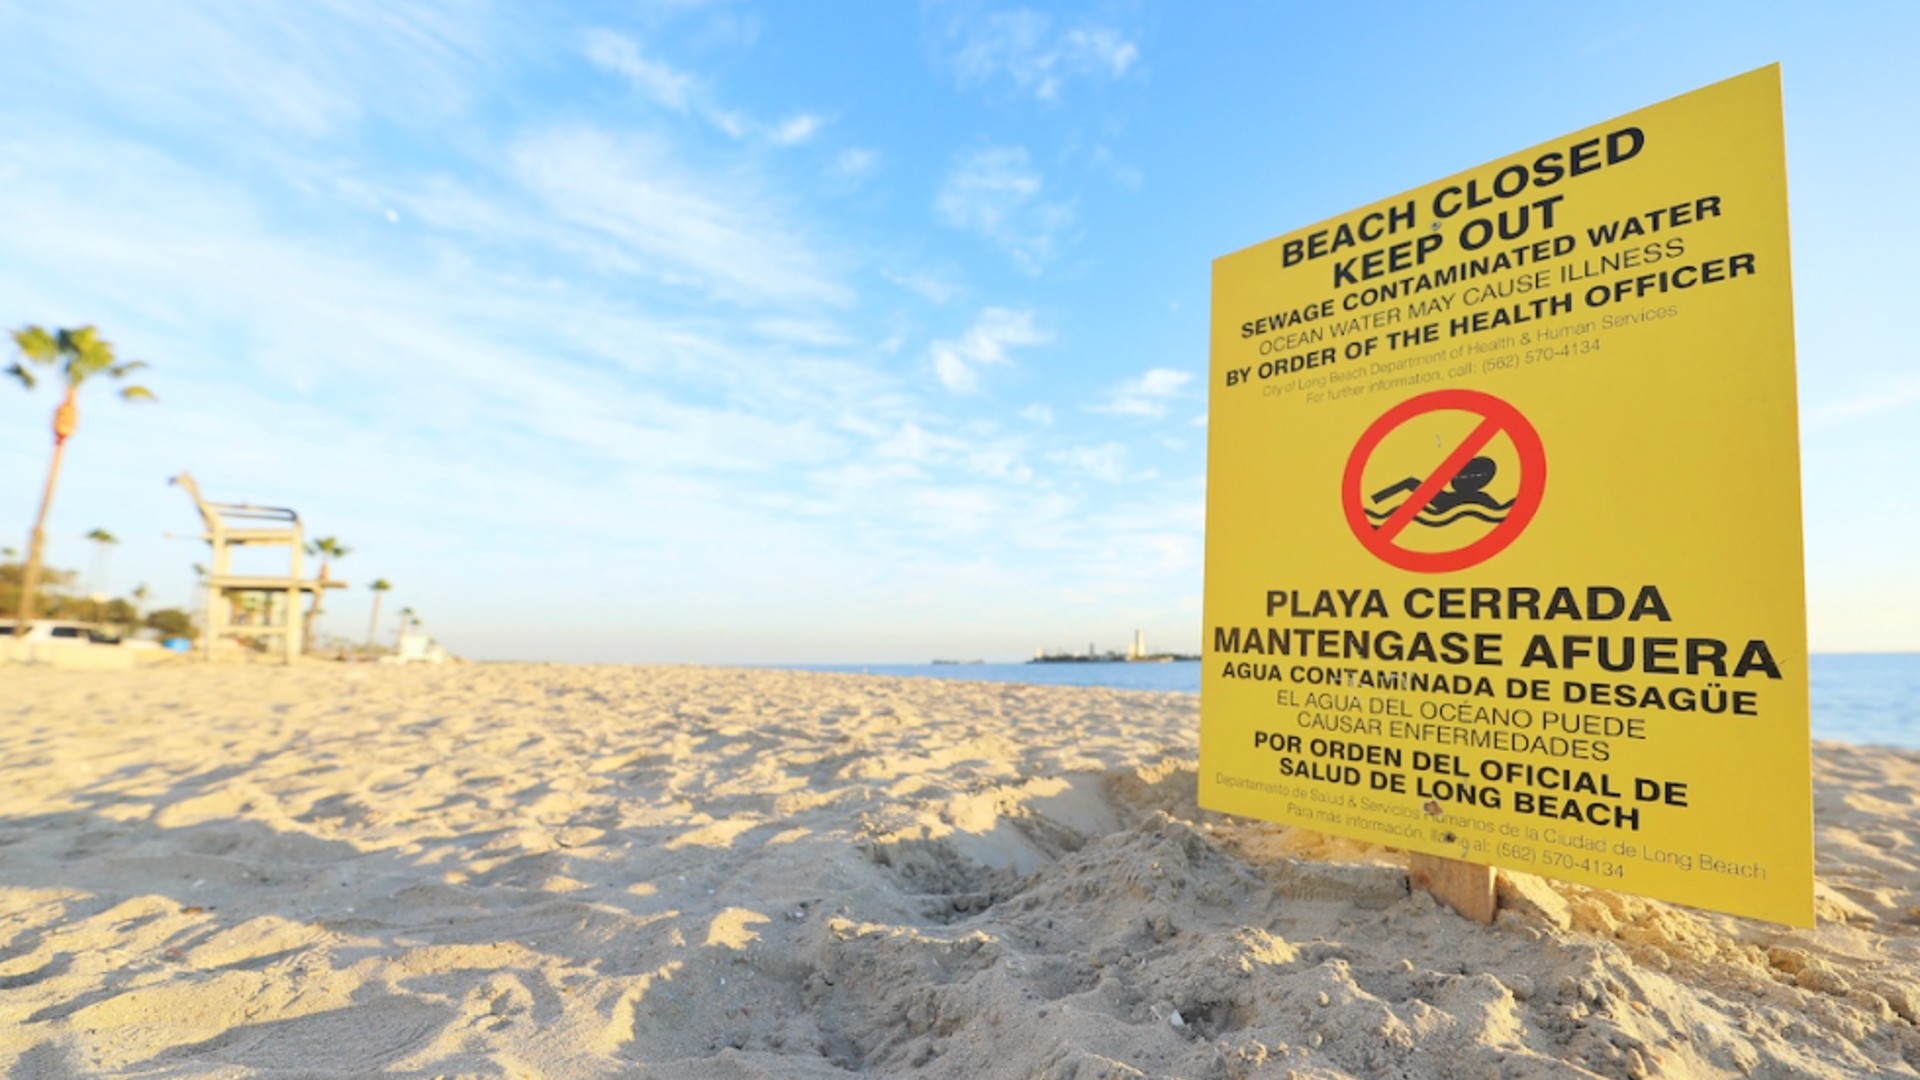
point(19, 371)
point(78, 340)
point(137, 393)
point(37, 344)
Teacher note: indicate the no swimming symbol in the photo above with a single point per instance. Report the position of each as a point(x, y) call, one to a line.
point(1453, 492)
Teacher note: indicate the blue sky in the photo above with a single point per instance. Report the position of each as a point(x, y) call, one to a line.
point(712, 331)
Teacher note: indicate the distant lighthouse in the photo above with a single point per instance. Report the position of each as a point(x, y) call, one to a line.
point(1139, 646)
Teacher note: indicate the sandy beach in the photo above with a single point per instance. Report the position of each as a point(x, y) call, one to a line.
point(528, 870)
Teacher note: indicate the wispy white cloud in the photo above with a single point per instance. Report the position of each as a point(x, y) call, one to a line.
point(957, 362)
point(1125, 175)
point(1107, 462)
point(232, 69)
point(485, 348)
point(997, 193)
point(620, 205)
point(934, 287)
point(814, 332)
point(678, 227)
point(685, 92)
point(855, 162)
point(989, 457)
point(1099, 47)
point(913, 443)
point(1026, 49)
point(660, 82)
point(1148, 395)
point(796, 130)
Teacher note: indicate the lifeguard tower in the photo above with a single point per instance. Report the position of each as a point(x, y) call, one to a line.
point(272, 600)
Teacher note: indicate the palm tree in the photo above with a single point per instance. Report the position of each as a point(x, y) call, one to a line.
point(103, 542)
point(379, 586)
point(328, 548)
point(406, 617)
point(139, 595)
point(80, 354)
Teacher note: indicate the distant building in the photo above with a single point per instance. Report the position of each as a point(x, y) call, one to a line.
point(1137, 651)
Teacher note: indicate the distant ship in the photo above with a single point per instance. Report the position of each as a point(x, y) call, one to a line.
point(1138, 654)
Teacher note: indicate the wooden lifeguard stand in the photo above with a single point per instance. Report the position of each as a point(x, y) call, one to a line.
point(237, 525)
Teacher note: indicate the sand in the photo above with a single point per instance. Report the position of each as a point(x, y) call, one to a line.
point(525, 870)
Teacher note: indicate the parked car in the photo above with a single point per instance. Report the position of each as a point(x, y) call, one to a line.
point(57, 630)
point(48, 630)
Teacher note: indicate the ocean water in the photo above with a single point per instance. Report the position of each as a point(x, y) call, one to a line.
point(1870, 699)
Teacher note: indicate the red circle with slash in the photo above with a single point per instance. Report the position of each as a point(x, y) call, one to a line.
point(1496, 417)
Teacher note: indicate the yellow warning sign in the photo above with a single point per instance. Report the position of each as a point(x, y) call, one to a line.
point(1503, 517)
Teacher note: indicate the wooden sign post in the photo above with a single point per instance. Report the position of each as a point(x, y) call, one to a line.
point(1463, 886)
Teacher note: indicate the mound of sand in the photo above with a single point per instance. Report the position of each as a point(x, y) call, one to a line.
point(522, 870)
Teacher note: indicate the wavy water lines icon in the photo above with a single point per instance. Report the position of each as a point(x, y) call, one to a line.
point(1463, 497)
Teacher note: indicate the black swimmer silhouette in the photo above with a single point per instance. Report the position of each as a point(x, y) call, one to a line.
point(1464, 490)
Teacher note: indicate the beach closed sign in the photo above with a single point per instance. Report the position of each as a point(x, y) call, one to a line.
point(1503, 517)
